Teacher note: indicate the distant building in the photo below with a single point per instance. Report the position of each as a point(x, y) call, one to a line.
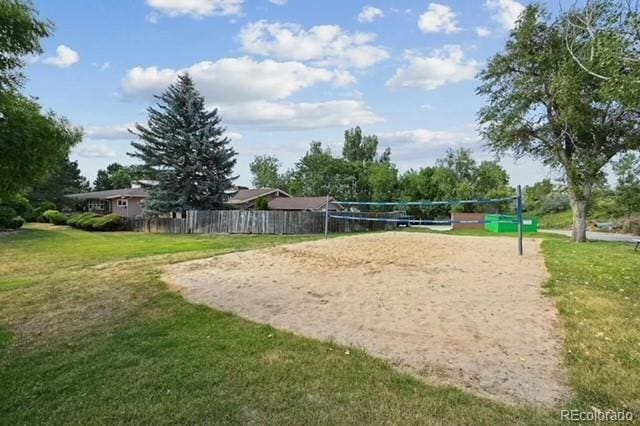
point(246, 199)
point(127, 202)
point(312, 204)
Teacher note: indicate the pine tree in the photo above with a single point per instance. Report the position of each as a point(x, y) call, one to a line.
point(185, 151)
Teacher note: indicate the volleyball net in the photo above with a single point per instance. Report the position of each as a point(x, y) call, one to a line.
point(397, 213)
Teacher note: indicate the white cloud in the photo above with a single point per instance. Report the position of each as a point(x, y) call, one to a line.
point(232, 80)
point(432, 138)
point(483, 31)
point(111, 132)
point(197, 8)
point(505, 12)
point(328, 45)
point(95, 151)
point(299, 116)
point(446, 65)
point(438, 18)
point(64, 58)
point(279, 2)
point(101, 66)
point(369, 14)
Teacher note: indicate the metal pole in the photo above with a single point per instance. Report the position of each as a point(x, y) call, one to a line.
point(520, 221)
point(326, 219)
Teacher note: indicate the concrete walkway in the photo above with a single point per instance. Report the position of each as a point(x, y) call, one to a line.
point(597, 236)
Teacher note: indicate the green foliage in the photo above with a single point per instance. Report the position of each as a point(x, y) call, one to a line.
point(543, 103)
point(16, 223)
point(554, 202)
point(57, 218)
point(36, 212)
point(358, 147)
point(262, 204)
point(192, 171)
point(266, 172)
point(78, 220)
point(21, 34)
point(46, 215)
point(6, 215)
point(109, 222)
point(64, 179)
point(31, 144)
point(93, 222)
point(20, 204)
point(627, 193)
point(117, 176)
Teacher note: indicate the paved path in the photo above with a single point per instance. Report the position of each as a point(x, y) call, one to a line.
point(597, 236)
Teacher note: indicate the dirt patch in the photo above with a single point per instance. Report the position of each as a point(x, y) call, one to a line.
point(466, 311)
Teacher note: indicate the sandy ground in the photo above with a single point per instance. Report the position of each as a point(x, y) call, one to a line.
point(466, 311)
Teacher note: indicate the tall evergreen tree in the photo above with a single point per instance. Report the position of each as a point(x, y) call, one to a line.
point(185, 151)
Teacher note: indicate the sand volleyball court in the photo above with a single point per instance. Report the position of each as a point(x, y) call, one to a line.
point(466, 311)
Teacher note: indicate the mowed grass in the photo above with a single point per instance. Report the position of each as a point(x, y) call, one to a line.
point(89, 334)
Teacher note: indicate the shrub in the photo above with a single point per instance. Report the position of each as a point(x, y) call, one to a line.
point(6, 216)
point(45, 217)
point(16, 223)
point(20, 204)
point(81, 220)
point(110, 222)
point(93, 222)
point(57, 218)
point(555, 202)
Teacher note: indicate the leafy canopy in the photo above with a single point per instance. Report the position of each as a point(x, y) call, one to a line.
point(20, 34)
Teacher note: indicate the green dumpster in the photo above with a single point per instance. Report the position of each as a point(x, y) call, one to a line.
point(508, 223)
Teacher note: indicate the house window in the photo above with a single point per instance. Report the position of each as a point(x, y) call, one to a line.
point(123, 203)
point(95, 205)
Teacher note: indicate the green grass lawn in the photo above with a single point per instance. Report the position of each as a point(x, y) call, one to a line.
point(90, 334)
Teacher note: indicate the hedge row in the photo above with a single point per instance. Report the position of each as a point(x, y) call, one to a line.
point(95, 222)
point(9, 218)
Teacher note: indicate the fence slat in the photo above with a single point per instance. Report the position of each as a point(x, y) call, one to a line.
point(258, 222)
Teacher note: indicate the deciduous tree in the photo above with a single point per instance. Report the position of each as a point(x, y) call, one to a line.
point(542, 103)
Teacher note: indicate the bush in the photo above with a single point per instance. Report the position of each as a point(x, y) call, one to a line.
point(7, 214)
point(80, 220)
point(57, 218)
point(110, 222)
point(45, 217)
point(94, 222)
point(554, 202)
point(20, 204)
point(16, 223)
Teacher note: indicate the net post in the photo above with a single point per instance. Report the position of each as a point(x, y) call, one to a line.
point(326, 219)
point(520, 221)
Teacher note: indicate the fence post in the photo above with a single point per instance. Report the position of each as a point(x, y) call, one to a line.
point(326, 219)
point(520, 221)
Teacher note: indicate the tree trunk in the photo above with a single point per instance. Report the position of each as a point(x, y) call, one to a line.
point(580, 196)
point(579, 209)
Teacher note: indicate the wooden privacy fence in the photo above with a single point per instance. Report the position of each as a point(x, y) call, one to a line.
point(258, 222)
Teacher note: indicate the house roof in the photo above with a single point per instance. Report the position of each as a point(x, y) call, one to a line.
point(246, 195)
point(112, 193)
point(300, 203)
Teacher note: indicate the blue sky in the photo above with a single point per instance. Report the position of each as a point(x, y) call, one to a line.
point(282, 73)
